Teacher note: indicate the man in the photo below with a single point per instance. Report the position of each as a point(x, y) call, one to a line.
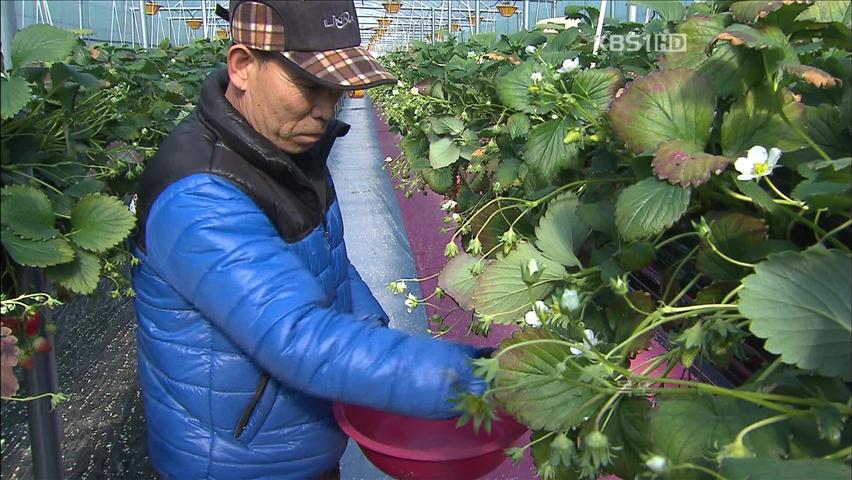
point(251, 320)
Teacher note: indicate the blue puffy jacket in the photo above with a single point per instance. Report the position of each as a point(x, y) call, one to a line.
point(225, 301)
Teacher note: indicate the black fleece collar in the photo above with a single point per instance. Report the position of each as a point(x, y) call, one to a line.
point(219, 115)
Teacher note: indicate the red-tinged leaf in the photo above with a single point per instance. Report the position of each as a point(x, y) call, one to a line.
point(682, 163)
point(750, 11)
point(665, 105)
point(814, 76)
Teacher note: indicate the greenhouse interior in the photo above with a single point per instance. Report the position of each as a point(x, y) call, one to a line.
point(426, 239)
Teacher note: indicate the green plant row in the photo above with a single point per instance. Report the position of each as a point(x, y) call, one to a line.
point(720, 170)
point(78, 123)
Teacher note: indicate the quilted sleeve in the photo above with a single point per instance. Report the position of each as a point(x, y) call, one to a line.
point(364, 303)
point(209, 241)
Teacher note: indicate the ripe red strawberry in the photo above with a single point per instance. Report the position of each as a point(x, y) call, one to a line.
point(11, 323)
point(32, 324)
point(42, 345)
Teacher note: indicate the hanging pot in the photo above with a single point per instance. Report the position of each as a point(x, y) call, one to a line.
point(193, 23)
point(151, 8)
point(506, 9)
point(392, 6)
point(222, 34)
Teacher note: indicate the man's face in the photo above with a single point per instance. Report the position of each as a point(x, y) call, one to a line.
point(285, 108)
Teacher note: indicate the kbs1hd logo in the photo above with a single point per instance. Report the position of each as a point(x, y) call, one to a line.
point(658, 42)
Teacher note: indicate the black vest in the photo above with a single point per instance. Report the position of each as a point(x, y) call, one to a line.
point(295, 192)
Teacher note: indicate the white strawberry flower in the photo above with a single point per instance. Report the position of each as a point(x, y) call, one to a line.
point(397, 287)
point(531, 319)
point(457, 218)
point(758, 163)
point(414, 91)
point(394, 92)
point(448, 205)
point(471, 55)
point(411, 302)
point(536, 77)
point(400, 84)
point(530, 49)
point(590, 341)
point(569, 65)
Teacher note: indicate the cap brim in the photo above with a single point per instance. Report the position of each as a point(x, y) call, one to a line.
point(351, 68)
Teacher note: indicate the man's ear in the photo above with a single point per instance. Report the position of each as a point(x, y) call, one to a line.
point(241, 64)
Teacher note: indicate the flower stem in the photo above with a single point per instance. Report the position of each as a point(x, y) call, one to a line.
point(725, 257)
point(52, 396)
point(759, 424)
point(706, 306)
point(732, 293)
point(674, 239)
point(746, 198)
point(802, 205)
point(834, 231)
point(685, 289)
point(768, 370)
point(816, 228)
point(418, 279)
point(676, 272)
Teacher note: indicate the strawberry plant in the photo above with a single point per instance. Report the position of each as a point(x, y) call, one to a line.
point(78, 122)
point(604, 197)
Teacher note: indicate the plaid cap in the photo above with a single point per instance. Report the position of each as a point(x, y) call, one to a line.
point(319, 39)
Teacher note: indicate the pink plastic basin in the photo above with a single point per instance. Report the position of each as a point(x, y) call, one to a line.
point(415, 448)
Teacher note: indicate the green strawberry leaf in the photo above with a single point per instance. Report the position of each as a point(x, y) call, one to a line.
point(560, 233)
point(447, 125)
point(28, 212)
point(35, 253)
point(501, 291)
point(80, 275)
point(518, 126)
point(443, 152)
point(14, 95)
point(683, 429)
point(100, 222)
point(754, 120)
point(594, 89)
point(546, 151)
point(649, 207)
point(542, 399)
point(41, 43)
point(699, 32)
point(513, 89)
point(799, 302)
point(458, 281)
